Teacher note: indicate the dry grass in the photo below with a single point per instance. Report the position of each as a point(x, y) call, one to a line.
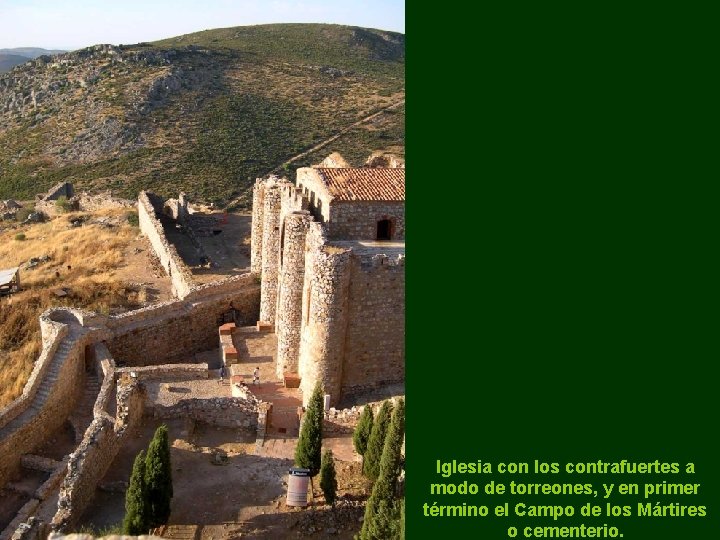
point(83, 261)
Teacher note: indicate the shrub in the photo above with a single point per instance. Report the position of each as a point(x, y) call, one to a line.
point(133, 219)
point(328, 479)
point(62, 204)
point(371, 461)
point(362, 430)
point(382, 512)
point(307, 452)
point(20, 237)
point(136, 501)
point(158, 478)
point(22, 214)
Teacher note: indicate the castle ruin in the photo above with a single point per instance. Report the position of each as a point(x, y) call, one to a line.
point(326, 275)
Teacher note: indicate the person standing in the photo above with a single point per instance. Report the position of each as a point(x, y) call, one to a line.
point(256, 375)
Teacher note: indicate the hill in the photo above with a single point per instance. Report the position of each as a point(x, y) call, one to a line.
point(206, 113)
point(30, 52)
point(9, 61)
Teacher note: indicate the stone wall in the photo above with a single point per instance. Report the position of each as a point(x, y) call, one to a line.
point(100, 201)
point(375, 335)
point(62, 395)
point(357, 220)
point(178, 329)
point(344, 421)
point(91, 460)
point(166, 371)
point(149, 207)
point(237, 413)
point(52, 334)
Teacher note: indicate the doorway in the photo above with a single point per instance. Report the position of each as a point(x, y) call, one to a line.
point(384, 229)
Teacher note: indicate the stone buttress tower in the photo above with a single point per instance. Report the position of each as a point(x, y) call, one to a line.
point(257, 227)
point(291, 280)
point(325, 317)
point(270, 252)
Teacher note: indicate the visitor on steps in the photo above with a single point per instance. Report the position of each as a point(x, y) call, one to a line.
point(256, 375)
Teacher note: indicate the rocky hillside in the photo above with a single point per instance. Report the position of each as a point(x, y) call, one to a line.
point(205, 113)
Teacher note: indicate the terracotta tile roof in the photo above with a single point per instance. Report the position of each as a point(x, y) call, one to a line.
point(364, 184)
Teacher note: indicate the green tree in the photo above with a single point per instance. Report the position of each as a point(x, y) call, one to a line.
point(309, 447)
point(362, 430)
point(328, 479)
point(136, 503)
point(158, 478)
point(383, 512)
point(402, 519)
point(371, 461)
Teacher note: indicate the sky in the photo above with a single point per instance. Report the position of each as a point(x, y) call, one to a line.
point(74, 24)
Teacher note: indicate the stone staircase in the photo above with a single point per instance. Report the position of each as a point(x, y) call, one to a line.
point(48, 381)
point(82, 416)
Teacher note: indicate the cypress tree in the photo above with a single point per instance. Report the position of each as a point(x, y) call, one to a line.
point(158, 478)
point(135, 522)
point(328, 480)
point(382, 513)
point(371, 461)
point(309, 447)
point(362, 430)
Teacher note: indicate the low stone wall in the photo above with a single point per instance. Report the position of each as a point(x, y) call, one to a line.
point(166, 371)
point(235, 413)
point(101, 201)
point(344, 421)
point(180, 276)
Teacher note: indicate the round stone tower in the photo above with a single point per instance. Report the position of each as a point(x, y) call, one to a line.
point(257, 227)
point(322, 348)
point(270, 252)
point(290, 290)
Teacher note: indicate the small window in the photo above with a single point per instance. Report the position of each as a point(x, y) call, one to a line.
point(384, 229)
